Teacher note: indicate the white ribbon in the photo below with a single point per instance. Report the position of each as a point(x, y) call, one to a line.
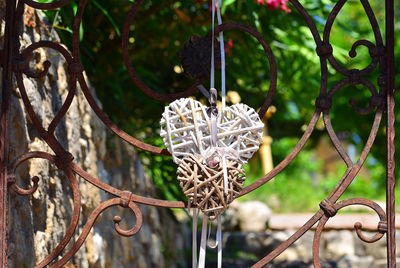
point(194, 237)
point(212, 82)
point(223, 85)
point(219, 241)
point(203, 243)
point(222, 152)
point(222, 47)
point(223, 79)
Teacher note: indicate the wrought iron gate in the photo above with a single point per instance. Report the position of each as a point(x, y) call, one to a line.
point(14, 63)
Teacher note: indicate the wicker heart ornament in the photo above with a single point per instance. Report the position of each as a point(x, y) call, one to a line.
point(204, 186)
point(186, 127)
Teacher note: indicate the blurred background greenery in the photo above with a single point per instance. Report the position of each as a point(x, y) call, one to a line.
point(161, 29)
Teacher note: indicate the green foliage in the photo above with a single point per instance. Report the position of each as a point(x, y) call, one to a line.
point(161, 28)
point(297, 188)
point(303, 185)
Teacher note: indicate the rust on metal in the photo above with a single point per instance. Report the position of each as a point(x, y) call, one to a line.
point(7, 59)
point(390, 133)
point(15, 64)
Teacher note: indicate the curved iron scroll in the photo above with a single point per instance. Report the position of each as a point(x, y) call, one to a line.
point(15, 65)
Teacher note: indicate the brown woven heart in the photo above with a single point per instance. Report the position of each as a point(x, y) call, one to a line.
point(204, 186)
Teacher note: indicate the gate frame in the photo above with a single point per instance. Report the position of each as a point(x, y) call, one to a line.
point(14, 64)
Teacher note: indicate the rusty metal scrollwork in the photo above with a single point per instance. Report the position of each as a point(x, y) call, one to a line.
point(331, 209)
point(16, 65)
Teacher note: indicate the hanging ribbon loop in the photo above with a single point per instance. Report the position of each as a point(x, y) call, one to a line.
point(213, 156)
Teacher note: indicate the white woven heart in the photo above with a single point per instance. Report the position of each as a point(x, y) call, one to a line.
point(185, 129)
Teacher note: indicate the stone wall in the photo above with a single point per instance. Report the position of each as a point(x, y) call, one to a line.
point(37, 223)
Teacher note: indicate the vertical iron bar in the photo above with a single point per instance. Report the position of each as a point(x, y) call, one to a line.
point(390, 133)
point(5, 107)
